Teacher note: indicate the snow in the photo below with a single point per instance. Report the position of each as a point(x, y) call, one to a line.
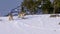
point(32, 24)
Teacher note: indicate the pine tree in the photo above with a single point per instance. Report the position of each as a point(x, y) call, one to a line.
point(56, 5)
point(31, 5)
point(45, 6)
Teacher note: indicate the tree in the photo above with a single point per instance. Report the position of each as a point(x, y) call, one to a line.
point(46, 6)
point(56, 6)
point(31, 5)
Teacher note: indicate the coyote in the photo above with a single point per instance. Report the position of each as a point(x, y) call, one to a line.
point(10, 16)
point(21, 15)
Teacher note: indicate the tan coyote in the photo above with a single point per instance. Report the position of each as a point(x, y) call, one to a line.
point(10, 16)
point(21, 15)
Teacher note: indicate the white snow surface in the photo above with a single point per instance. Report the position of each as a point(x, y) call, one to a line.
point(32, 24)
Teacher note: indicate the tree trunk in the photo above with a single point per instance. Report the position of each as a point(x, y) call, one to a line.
point(46, 11)
point(54, 10)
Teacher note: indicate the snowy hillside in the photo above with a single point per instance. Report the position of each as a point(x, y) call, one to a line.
point(32, 24)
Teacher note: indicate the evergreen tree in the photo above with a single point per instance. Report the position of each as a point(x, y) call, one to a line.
point(56, 6)
point(31, 5)
point(46, 6)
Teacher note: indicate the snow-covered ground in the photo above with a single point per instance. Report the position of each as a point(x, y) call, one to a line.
point(32, 24)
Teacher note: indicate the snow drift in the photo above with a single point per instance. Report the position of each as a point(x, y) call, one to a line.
point(32, 24)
